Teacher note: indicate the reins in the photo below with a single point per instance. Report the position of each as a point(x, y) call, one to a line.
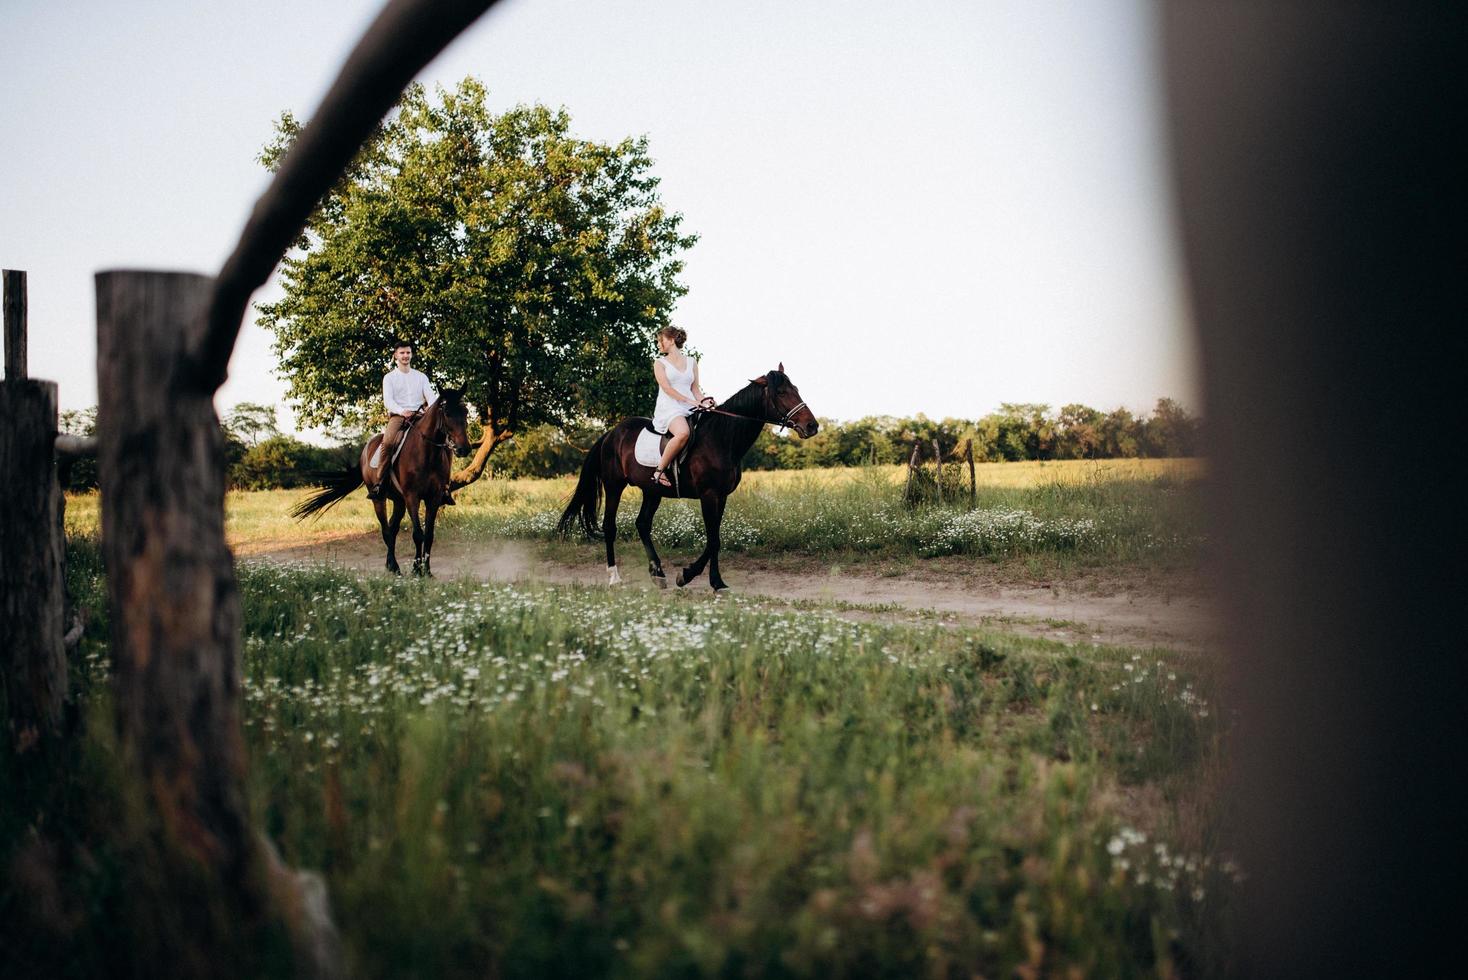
point(786, 421)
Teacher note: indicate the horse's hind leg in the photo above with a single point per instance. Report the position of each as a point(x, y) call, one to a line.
point(390, 527)
point(609, 530)
point(650, 502)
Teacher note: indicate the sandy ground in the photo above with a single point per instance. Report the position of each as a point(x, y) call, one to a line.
point(1122, 611)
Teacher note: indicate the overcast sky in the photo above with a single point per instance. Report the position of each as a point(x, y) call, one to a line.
point(935, 206)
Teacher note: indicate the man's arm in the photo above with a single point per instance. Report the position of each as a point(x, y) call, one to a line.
point(392, 408)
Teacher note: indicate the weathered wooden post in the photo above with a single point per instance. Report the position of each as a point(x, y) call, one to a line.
point(938, 469)
point(175, 621)
point(32, 550)
point(912, 462)
point(973, 480)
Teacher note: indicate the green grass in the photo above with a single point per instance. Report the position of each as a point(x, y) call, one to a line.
point(546, 782)
point(1096, 513)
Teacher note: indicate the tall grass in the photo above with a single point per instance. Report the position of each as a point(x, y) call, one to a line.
point(532, 782)
point(554, 782)
point(1099, 512)
point(1103, 515)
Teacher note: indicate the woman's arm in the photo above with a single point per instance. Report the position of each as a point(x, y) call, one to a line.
point(697, 389)
point(673, 393)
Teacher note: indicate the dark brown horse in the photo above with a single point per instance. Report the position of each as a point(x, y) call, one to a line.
point(709, 472)
point(420, 475)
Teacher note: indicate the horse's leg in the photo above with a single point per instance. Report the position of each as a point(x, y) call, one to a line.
point(609, 529)
point(411, 502)
point(716, 541)
point(650, 502)
point(390, 531)
point(430, 517)
point(710, 502)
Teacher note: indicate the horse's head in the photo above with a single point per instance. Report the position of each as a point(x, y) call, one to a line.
point(784, 404)
point(454, 423)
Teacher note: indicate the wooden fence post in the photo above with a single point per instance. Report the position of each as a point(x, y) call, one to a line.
point(938, 469)
point(32, 585)
point(175, 609)
point(911, 468)
point(15, 324)
point(973, 480)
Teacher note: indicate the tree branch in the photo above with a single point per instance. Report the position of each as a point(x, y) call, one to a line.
point(405, 36)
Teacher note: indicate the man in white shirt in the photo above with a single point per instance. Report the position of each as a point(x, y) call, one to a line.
point(404, 392)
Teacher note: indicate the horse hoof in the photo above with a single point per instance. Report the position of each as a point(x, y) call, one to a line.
point(720, 590)
point(679, 581)
point(614, 576)
point(661, 580)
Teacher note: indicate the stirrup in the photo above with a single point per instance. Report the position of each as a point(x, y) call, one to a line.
point(374, 493)
point(660, 477)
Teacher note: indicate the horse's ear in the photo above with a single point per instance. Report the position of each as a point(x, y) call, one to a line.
point(757, 381)
point(781, 368)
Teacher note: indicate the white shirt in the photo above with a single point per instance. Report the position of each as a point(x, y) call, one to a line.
point(406, 391)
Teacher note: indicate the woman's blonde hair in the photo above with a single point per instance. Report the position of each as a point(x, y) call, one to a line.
point(678, 336)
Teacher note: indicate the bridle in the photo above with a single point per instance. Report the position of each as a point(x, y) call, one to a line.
point(441, 430)
point(786, 421)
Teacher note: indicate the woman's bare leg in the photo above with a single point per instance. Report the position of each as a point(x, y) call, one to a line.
point(679, 428)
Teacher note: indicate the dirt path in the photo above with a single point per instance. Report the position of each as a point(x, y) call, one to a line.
point(1127, 611)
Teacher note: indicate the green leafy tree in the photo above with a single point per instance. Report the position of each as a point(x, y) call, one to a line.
point(530, 267)
point(81, 471)
point(1080, 433)
point(1171, 431)
point(282, 461)
point(1120, 432)
point(249, 422)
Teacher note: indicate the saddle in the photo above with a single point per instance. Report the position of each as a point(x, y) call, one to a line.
point(397, 450)
point(648, 449)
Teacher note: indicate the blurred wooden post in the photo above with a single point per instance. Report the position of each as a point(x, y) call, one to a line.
point(32, 584)
point(911, 467)
point(973, 481)
point(175, 608)
point(938, 469)
point(15, 324)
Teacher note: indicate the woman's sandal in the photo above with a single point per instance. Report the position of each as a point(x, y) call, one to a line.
point(660, 476)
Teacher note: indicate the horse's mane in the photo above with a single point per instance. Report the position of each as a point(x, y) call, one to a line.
point(749, 400)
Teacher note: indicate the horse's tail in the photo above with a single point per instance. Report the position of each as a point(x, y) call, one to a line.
point(338, 485)
point(586, 501)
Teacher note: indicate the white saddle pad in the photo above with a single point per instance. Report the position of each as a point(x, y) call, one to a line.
point(376, 459)
point(649, 449)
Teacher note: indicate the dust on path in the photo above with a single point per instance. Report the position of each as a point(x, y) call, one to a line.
point(1128, 613)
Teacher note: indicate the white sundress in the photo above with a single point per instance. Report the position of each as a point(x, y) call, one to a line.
point(667, 409)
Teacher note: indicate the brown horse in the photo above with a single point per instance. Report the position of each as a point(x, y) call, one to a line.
point(419, 475)
point(709, 472)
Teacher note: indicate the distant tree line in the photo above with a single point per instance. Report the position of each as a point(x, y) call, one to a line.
point(1014, 432)
point(258, 454)
point(261, 457)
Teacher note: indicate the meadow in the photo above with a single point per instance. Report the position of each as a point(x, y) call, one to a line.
point(1096, 514)
point(530, 781)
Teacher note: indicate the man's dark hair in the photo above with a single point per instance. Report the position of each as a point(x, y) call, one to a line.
point(403, 342)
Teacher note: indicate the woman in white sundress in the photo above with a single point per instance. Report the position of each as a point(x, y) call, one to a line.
point(678, 395)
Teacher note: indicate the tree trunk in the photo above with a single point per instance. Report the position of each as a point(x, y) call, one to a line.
point(32, 584)
point(475, 468)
